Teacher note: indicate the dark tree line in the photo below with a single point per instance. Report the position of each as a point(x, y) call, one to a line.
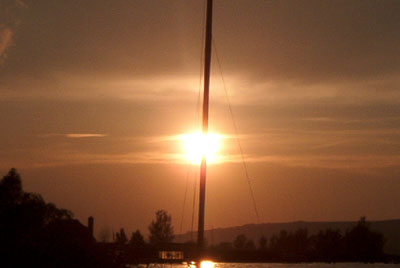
point(34, 233)
point(360, 244)
point(136, 249)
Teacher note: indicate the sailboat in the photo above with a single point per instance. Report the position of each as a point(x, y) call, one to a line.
point(200, 247)
point(199, 260)
point(201, 257)
point(203, 166)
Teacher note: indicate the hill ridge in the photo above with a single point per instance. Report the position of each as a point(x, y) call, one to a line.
point(390, 228)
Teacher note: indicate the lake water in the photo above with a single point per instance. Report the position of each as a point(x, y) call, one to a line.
point(305, 265)
point(286, 265)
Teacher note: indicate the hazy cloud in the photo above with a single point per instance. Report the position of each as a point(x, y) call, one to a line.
point(81, 135)
point(9, 20)
point(76, 135)
point(314, 89)
point(275, 40)
point(6, 36)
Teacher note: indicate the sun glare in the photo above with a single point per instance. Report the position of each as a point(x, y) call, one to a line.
point(207, 264)
point(197, 145)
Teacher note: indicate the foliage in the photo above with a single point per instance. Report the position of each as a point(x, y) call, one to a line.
point(290, 245)
point(137, 240)
point(262, 243)
point(328, 245)
point(240, 241)
point(22, 211)
point(360, 243)
point(138, 248)
point(161, 230)
point(120, 237)
point(250, 245)
point(10, 190)
point(35, 233)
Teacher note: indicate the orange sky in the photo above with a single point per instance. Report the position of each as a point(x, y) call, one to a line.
point(92, 92)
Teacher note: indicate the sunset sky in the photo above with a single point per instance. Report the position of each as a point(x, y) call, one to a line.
point(93, 96)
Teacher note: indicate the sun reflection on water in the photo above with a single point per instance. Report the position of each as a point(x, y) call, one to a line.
point(207, 264)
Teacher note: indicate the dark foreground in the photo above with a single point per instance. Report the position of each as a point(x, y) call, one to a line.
point(34, 233)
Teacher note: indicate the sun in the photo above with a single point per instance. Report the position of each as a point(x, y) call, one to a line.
point(197, 145)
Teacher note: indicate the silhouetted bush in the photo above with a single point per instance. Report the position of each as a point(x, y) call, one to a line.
point(328, 245)
point(38, 234)
point(161, 230)
point(138, 248)
point(358, 244)
point(240, 242)
point(262, 242)
point(362, 244)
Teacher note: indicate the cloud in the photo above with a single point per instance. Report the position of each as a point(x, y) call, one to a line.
point(76, 135)
point(6, 39)
point(328, 70)
point(343, 52)
point(311, 41)
point(275, 40)
point(357, 163)
point(21, 3)
point(84, 135)
point(362, 151)
point(9, 20)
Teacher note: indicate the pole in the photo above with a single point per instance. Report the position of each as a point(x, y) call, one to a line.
point(203, 167)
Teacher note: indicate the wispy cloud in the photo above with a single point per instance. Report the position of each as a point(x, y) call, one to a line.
point(21, 3)
point(356, 163)
point(84, 135)
point(75, 135)
point(8, 23)
point(6, 37)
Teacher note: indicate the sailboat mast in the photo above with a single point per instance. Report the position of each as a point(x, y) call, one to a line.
point(203, 167)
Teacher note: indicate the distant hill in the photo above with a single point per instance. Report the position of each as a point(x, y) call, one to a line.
point(389, 228)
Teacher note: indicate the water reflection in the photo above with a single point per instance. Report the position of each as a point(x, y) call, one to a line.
point(306, 265)
point(210, 264)
point(207, 264)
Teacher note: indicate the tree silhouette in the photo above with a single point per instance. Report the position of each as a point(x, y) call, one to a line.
point(138, 247)
point(36, 233)
point(249, 245)
point(137, 240)
point(10, 189)
point(104, 235)
point(291, 246)
point(161, 230)
point(328, 245)
point(359, 244)
point(362, 244)
point(120, 237)
point(262, 243)
point(240, 242)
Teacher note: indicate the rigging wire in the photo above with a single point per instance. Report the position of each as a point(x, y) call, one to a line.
point(197, 115)
point(236, 135)
point(193, 207)
point(184, 197)
point(243, 160)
